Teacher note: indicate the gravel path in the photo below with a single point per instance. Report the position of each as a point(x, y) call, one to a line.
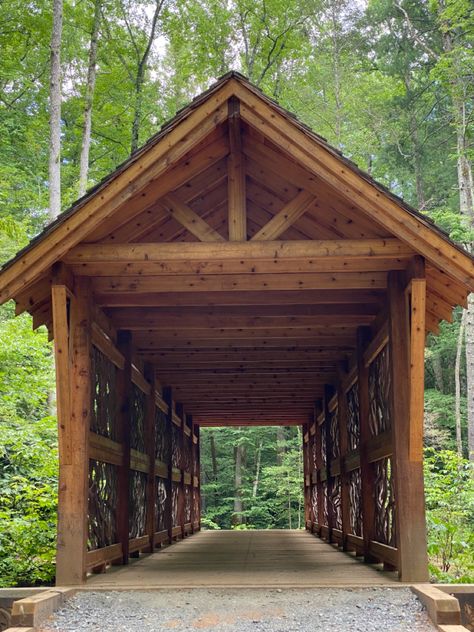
point(244, 610)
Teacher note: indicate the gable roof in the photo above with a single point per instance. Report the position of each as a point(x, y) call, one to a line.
point(165, 148)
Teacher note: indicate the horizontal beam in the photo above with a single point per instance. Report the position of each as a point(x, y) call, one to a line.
point(249, 298)
point(240, 282)
point(191, 325)
point(161, 253)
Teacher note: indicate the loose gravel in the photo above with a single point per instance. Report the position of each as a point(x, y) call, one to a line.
point(243, 610)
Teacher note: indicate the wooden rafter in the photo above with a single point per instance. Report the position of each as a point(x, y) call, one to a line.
point(285, 218)
point(237, 217)
point(188, 218)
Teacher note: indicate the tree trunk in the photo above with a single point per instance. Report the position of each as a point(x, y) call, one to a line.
point(470, 374)
point(89, 96)
point(238, 505)
point(438, 371)
point(214, 467)
point(257, 470)
point(140, 77)
point(457, 377)
point(55, 112)
point(280, 444)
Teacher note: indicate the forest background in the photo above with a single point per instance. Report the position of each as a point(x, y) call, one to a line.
point(84, 83)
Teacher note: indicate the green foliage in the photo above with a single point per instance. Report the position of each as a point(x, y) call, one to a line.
point(449, 484)
point(28, 460)
point(275, 501)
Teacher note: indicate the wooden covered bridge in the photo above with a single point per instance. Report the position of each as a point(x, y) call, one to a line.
point(238, 270)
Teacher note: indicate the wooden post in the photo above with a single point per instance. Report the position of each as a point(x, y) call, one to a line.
point(150, 434)
point(168, 397)
point(73, 354)
point(198, 469)
point(124, 345)
point(181, 495)
point(306, 475)
point(328, 393)
point(408, 473)
point(319, 465)
point(236, 176)
point(366, 469)
point(343, 417)
point(192, 468)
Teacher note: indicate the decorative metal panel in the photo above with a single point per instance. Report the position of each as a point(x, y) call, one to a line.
point(137, 427)
point(102, 518)
point(104, 396)
point(175, 503)
point(384, 502)
point(187, 503)
point(336, 502)
point(334, 432)
point(162, 440)
point(380, 385)
point(355, 500)
point(176, 455)
point(137, 504)
point(353, 418)
point(160, 505)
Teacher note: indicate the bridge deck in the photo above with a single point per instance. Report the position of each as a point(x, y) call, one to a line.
point(271, 558)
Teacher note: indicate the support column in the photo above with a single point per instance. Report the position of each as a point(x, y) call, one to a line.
point(342, 416)
point(124, 344)
point(366, 469)
point(72, 332)
point(408, 468)
point(150, 434)
point(319, 465)
point(181, 495)
point(328, 393)
point(168, 397)
point(198, 470)
point(306, 476)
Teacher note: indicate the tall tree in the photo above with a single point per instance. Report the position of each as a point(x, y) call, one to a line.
point(55, 112)
point(88, 100)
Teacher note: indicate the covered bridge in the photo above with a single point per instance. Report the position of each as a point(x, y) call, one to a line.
point(238, 270)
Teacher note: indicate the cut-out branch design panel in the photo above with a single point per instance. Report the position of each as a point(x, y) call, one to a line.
point(353, 419)
point(102, 519)
point(162, 444)
point(176, 452)
point(355, 502)
point(336, 502)
point(175, 503)
point(384, 502)
point(104, 396)
point(160, 505)
point(380, 385)
point(334, 432)
point(137, 422)
point(187, 503)
point(137, 504)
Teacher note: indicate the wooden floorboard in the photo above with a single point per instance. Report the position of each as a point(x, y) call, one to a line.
point(271, 558)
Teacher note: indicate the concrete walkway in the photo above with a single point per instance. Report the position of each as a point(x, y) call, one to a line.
point(244, 559)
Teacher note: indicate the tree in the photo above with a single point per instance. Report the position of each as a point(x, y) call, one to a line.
point(55, 112)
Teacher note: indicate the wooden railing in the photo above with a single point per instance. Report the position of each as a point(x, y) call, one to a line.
point(347, 457)
point(144, 488)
